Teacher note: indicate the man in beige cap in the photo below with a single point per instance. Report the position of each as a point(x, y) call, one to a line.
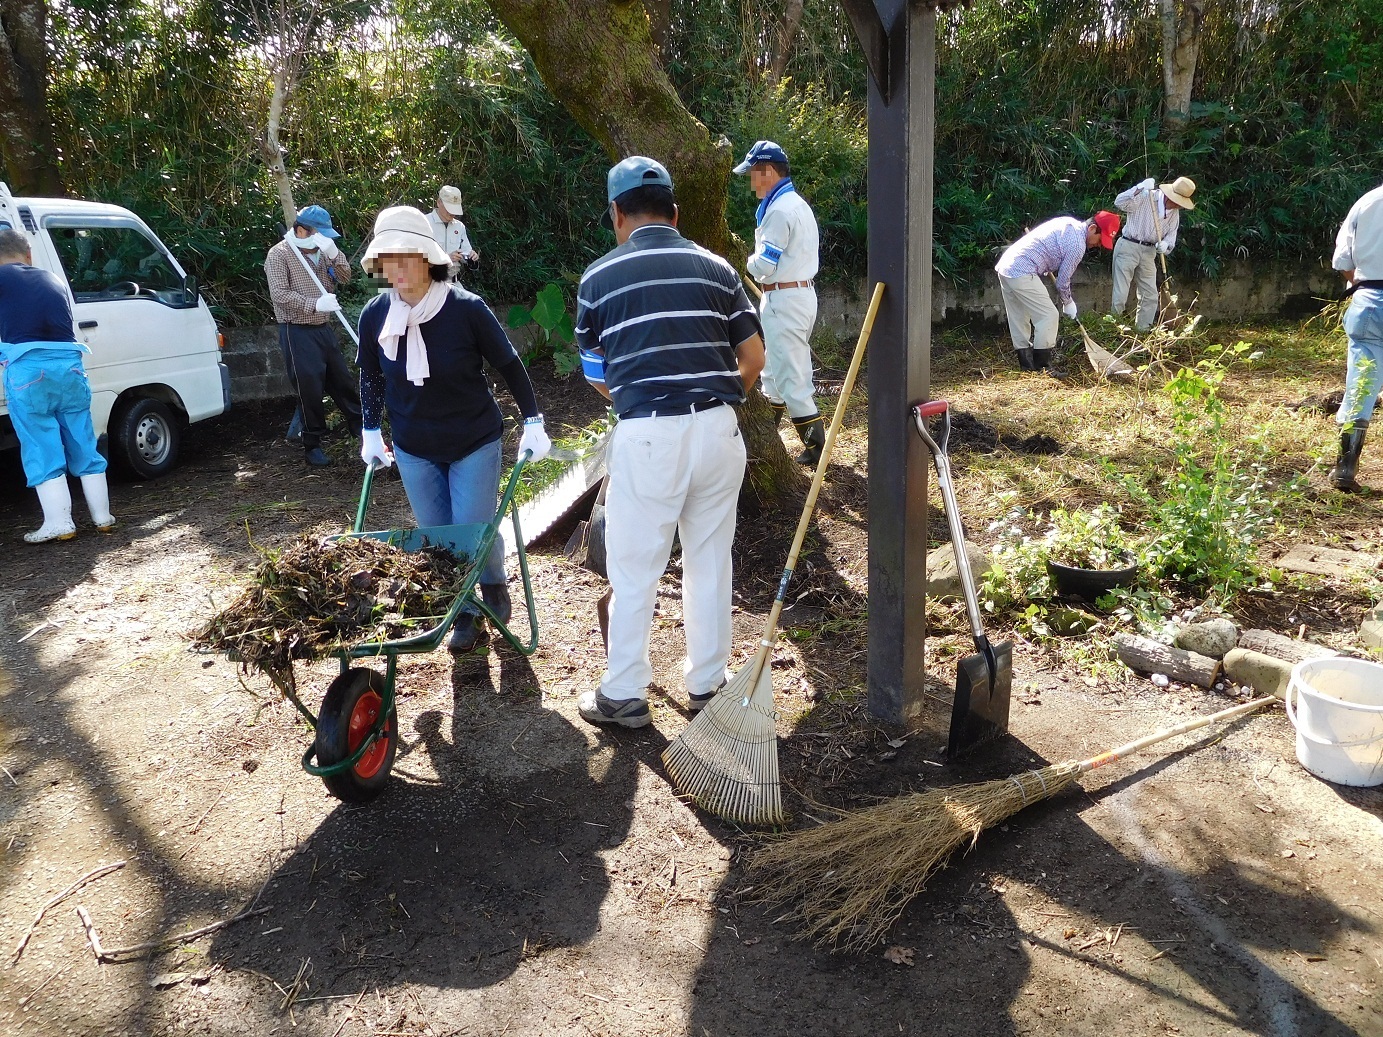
point(1149, 229)
point(449, 232)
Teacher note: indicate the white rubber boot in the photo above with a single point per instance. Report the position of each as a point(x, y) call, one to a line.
point(98, 501)
point(56, 500)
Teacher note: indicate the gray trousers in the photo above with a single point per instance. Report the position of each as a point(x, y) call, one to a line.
point(1135, 265)
point(1032, 316)
point(316, 367)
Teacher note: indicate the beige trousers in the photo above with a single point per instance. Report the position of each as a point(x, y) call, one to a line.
point(1135, 265)
point(1032, 316)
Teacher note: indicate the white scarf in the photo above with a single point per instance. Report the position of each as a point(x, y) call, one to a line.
point(403, 317)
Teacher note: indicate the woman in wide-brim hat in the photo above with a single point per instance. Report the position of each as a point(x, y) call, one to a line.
point(423, 347)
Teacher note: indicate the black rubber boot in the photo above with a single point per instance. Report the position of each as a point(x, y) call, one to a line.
point(813, 434)
point(1025, 360)
point(1351, 446)
point(1045, 360)
point(467, 634)
point(496, 595)
point(779, 409)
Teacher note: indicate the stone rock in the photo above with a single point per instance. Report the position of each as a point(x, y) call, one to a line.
point(1262, 673)
point(1213, 637)
point(943, 578)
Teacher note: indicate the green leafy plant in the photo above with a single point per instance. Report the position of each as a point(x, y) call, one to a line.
point(554, 321)
point(1088, 539)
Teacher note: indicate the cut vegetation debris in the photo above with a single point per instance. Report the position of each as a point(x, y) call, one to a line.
point(315, 598)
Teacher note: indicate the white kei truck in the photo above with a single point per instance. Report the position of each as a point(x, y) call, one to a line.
point(155, 362)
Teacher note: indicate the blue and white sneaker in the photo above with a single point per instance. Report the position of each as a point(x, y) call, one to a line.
point(595, 708)
point(700, 702)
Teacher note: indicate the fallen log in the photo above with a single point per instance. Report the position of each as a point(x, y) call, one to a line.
point(1148, 656)
point(1288, 649)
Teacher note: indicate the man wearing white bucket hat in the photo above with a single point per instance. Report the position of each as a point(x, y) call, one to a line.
point(423, 347)
point(1149, 230)
point(450, 233)
point(1359, 256)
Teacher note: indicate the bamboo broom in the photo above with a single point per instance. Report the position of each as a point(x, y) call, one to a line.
point(853, 876)
point(727, 758)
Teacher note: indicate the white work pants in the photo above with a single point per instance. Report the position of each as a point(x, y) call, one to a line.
point(683, 474)
point(788, 315)
point(1135, 265)
point(1032, 316)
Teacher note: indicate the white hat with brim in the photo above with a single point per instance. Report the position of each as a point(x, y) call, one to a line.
point(1180, 191)
point(399, 231)
point(450, 197)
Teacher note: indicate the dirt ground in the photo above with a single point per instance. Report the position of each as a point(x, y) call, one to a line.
point(525, 873)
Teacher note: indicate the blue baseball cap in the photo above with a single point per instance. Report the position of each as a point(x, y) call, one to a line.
point(762, 151)
point(635, 171)
point(318, 219)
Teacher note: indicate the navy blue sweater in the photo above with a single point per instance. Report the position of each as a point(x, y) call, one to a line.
point(453, 412)
point(33, 306)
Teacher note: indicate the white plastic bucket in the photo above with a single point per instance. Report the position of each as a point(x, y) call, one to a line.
point(1339, 719)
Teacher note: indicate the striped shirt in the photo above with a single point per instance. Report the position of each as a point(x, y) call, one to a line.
point(1140, 225)
point(1054, 247)
point(1359, 245)
point(667, 315)
point(291, 288)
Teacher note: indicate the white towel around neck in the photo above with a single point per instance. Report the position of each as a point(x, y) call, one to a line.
point(401, 318)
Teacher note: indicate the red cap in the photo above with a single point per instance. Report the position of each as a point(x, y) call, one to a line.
point(1108, 223)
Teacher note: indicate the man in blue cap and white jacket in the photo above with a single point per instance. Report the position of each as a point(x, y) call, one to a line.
point(785, 260)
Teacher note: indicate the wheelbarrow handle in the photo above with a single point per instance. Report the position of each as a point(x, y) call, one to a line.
point(365, 487)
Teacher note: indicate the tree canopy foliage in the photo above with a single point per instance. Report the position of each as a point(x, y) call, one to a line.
point(1043, 107)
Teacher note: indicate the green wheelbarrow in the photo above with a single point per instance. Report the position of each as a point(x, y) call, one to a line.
point(357, 726)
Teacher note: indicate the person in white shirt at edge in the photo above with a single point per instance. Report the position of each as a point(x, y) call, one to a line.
point(1359, 257)
point(1135, 254)
point(450, 233)
point(1054, 248)
point(786, 258)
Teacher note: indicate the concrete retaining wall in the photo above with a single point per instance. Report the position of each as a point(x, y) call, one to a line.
point(257, 373)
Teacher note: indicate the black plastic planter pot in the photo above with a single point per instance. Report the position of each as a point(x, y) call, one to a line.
point(1089, 584)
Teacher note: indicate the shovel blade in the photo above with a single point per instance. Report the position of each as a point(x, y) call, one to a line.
point(984, 685)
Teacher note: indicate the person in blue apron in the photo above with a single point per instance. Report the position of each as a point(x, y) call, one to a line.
point(47, 392)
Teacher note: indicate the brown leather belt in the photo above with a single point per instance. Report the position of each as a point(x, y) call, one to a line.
point(784, 284)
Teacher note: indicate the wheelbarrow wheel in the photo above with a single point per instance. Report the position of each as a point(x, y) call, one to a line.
point(349, 711)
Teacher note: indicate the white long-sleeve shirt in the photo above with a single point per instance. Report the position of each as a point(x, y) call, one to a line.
point(1359, 245)
point(451, 236)
point(786, 241)
point(1140, 224)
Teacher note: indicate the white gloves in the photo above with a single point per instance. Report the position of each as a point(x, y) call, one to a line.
point(534, 439)
point(1146, 186)
point(328, 304)
point(1164, 248)
point(1069, 309)
point(372, 449)
point(327, 245)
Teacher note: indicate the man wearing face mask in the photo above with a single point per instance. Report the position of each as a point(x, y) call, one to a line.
point(306, 316)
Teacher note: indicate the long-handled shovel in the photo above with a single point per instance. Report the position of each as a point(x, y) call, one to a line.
point(1167, 306)
point(727, 758)
point(984, 681)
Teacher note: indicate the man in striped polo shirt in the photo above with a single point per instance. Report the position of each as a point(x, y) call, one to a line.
point(668, 335)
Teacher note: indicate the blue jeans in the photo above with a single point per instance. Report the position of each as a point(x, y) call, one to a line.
point(1364, 367)
point(50, 407)
point(463, 492)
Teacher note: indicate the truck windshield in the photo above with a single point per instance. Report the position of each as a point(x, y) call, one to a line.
point(113, 262)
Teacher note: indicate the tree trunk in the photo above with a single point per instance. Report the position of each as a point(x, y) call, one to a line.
point(659, 22)
point(1148, 656)
point(599, 60)
point(783, 41)
point(1181, 47)
point(26, 135)
point(1288, 649)
point(272, 152)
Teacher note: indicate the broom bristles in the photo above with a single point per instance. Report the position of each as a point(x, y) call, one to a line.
point(853, 876)
point(727, 758)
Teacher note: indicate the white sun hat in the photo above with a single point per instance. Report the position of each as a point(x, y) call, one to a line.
point(400, 230)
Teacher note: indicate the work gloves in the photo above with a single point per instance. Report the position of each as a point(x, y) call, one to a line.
point(1146, 186)
point(372, 449)
point(534, 439)
point(1163, 248)
point(327, 246)
point(1069, 309)
point(328, 304)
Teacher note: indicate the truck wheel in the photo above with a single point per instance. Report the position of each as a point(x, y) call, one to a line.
point(144, 439)
point(349, 711)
